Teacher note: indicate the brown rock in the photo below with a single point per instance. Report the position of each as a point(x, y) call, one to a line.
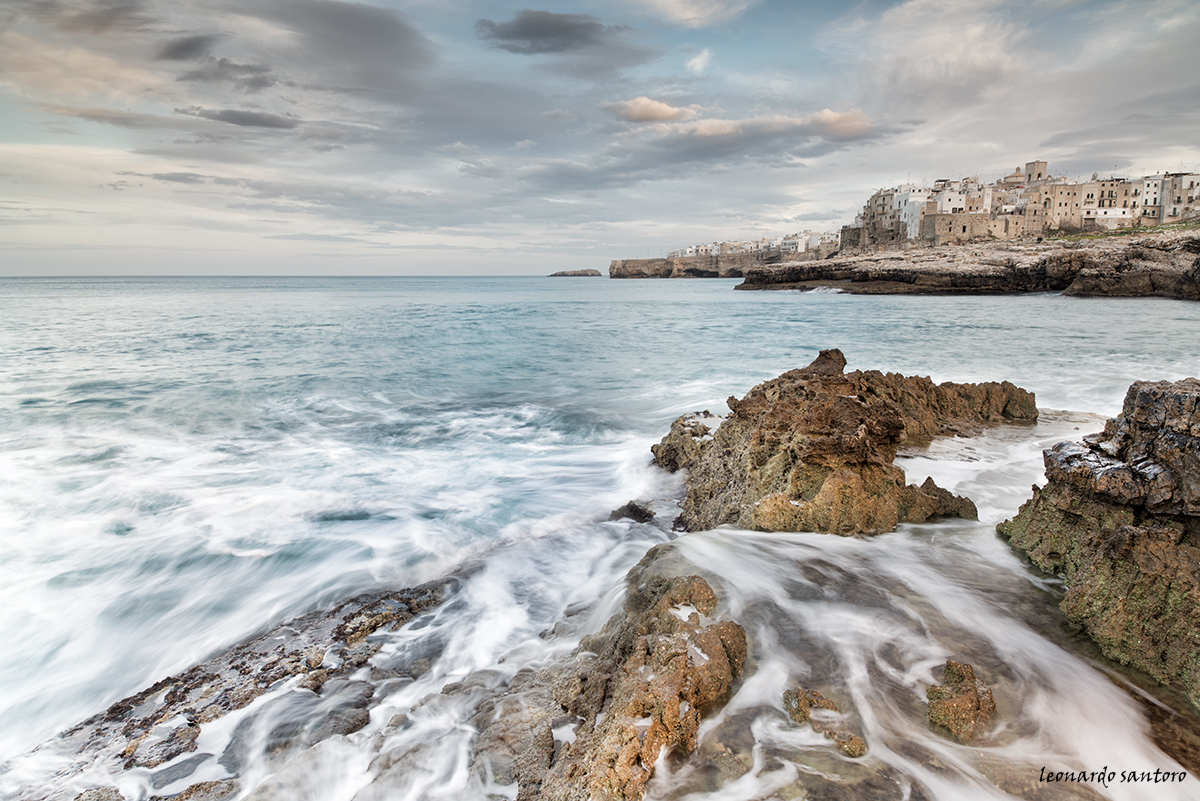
point(807, 706)
point(1119, 518)
point(962, 703)
point(812, 450)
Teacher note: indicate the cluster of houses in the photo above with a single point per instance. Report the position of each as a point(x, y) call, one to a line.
point(1027, 203)
point(791, 244)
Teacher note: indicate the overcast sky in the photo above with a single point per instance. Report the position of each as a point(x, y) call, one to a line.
point(467, 136)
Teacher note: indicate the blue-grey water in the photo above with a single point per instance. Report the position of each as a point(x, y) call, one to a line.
point(184, 462)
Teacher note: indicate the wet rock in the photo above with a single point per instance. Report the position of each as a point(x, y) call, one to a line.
point(1119, 519)
point(633, 511)
point(812, 450)
point(594, 726)
point(808, 706)
point(100, 794)
point(962, 704)
point(157, 726)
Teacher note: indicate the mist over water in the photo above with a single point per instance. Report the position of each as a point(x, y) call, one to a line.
point(186, 462)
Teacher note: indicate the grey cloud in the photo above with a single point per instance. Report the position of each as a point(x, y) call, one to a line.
point(316, 238)
point(179, 177)
point(351, 45)
point(249, 119)
point(536, 32)
point(95, 16)
point(588, 47)
point(247, 77)
point(188, 48)
point(118, 117)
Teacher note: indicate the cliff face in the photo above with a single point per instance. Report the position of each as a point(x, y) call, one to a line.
point(1160, 265)
point(812, 450)
point(1119, 518)
point(729, 265)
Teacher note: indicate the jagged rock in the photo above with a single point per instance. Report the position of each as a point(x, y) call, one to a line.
point(631, 693)
point(100, 794)
point(1119, 518)
point(962, 704)
point(163, 722)
point(1161, 264)
point(812, 450)
point(634, 511)
point(808, 706)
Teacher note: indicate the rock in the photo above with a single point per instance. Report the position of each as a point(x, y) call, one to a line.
point(961, 704)
point(576, 274)
point(1161, 265)
point(812, 450)
point(634, 511)
point(807, 706)
point(631, 694)
point(1119, 519)
point(100, 794)
point(163, 722)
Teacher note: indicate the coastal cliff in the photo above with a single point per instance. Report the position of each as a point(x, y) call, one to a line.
point(725, 265)
point(1119, 519)
point(1154, 265)
point(812, 450)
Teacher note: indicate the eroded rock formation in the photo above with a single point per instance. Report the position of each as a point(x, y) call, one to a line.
point(809, 706)
point(961, 704)
point(165, 721)
point(812, 450)
point(576, 274)
point(1119, 518)
point(1160, 265)
point(632, 693)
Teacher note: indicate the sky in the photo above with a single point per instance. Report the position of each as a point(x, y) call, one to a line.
point(423, 137)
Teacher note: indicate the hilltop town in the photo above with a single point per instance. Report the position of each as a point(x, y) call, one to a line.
point(1028, 204)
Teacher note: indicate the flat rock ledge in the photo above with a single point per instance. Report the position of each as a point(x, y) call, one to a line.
point(577, 274)
point(1119, 519)
point(812, 450)
point(1154, 265)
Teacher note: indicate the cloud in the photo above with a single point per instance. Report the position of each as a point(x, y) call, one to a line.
point(698, 13)
point(246, 77)
point(187, 48)
point(537, 32)
point(590, 48)
point(94, 16)
point(44, 69)
point(316, 238)
point(179, 177)
point(699, 63)
point(249, 119)
point(643, 109)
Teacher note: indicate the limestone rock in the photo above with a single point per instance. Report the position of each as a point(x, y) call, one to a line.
point(1119, 518)
point(634, 692)
point(809, 706)
point(639, 513)
point(1159, 265)
point(576, 274)
point(962, 704)
point(812, 450)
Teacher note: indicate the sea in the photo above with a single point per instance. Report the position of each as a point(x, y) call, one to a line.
point(187, 462)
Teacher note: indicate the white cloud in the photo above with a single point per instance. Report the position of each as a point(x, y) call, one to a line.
point(698, 13)
point(643, 109)
point(42, 69)
point(699, 63)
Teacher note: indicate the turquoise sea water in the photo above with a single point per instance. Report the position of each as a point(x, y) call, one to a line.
point(187, 461)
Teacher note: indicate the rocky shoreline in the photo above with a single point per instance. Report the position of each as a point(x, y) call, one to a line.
point(1153, 265)
point(811, 450)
